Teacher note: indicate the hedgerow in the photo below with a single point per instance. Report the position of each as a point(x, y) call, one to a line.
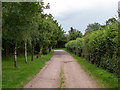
point(99, 47)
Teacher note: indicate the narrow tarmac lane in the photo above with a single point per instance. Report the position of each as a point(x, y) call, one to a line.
point(73, 75)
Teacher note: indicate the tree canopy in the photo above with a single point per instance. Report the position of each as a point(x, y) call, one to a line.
point(26, 29)
point(74, 34)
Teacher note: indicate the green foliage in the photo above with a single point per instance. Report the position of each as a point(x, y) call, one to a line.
point(79, 42)
point(104, 78)
point(18, 77)
point(24, 22)
point(103, 48)
point(61, 38)
point(74, 43)
point(93, 27)
point(110, 21)
point(75, 46)
point(74, 34)
point(99, 47)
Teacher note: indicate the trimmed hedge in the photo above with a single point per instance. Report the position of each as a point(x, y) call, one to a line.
point(75, 46)
point(99, 47)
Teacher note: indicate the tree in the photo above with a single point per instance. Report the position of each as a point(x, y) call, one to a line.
point(61, 38)
point(29, 13)
point(73, 34)
point(25, 27)
point(110, 21)
point(12, 30)
point(93, 27)
point(17, 19)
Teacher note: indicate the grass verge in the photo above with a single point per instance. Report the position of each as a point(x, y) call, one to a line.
point(18, 77)
point(104, 78)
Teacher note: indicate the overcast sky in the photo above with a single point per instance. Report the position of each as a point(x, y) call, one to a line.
point(79, 13)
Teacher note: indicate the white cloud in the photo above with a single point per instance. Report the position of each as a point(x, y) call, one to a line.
point(69, 11)
point(58, 7)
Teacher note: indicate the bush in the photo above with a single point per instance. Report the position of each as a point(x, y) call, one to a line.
point(75, 46)
point(99, 47)
point(71, 45)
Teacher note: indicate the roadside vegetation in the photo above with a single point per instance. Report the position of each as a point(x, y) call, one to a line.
point(104, 78)
point(28, 36)
point(62, 80)
point(18, 77)
point(99, 46)
point(32, 32)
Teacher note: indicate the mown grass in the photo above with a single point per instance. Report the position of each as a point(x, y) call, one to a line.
point(17, 77)
point(104, 78)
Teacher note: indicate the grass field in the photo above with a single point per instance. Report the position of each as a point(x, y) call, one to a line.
point(18, 77)
point(103, 77)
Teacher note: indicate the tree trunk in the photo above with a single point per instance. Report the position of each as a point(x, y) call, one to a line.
point(77, 51)
point(40, 51)
point(50, 49)
point(15, 53)
point(32, 52)
point(25, 52)
point(39, 55)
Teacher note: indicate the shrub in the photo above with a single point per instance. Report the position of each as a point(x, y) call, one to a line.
point(99, 47)
point(75, 46)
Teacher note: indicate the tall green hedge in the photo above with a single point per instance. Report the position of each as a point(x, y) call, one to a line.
point(99, 47)
point(75, 46)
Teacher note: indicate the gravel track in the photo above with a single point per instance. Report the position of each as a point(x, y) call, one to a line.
point(74, 75)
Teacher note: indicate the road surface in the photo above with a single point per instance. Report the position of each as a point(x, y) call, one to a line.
point(62, 65)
